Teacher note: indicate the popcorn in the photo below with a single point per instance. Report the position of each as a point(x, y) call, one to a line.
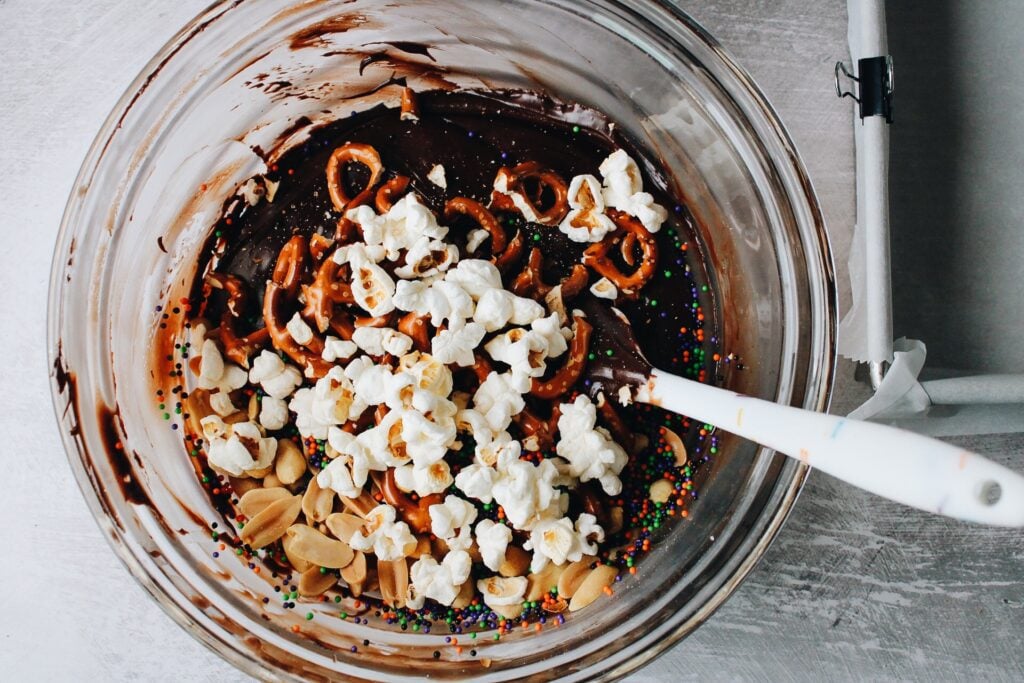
point(523, 350)
point(424, 480)
point(221, 377)
point(477, 481)
point(451, 520)
point(440, 582)
point(556, 540)
point(377, 341)
point(604, 289)
point(429, 373)
point(623, 190)
point(213, 427)
point(497, 308)
point(338, 349)
point(372, 288)
point(245, 449)
point(492, 539)
point(356, 456)
point(426, 441)
point(436, 176)
point(299, 330)
point(384, 537)
point(590, 451)
point(553, 333)
point(456, 344)
point(442, 300)
point(586, 221)
point(526, 491)
point(498, 399)
point(273, 413)
point(475, 238)
point(332, 401)
point(427, 257)
point(501, 591)
point(475, 276)
point(398, 229)
point(276, 378)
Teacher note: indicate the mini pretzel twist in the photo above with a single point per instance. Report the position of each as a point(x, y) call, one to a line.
point(282, 289)
point(512, 253)
point(416, 327)
point(388, 192)
point(622, 434)
point(596, 255)
point(535, 426)
point(238, 349)
point(352, 152)
point(515, 181)
point(484, 218)
point(416, 513)
point(567, 375)
point(327, 290)
point(529, 282)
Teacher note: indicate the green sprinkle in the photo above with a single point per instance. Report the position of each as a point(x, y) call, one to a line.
point(167, 416)
point(654, 302)
point(309, 616)
point(591, 356)
point(497, 636)
point(575, 129)
point(536, 237)
point(609, 352)
point(337, 598)
point(668, 273)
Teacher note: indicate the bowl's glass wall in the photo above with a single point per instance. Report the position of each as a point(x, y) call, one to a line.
point(242, 77)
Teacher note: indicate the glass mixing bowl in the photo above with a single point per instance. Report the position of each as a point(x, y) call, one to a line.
point(251, 74)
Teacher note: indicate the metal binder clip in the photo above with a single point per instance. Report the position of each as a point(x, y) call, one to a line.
point(875, 81)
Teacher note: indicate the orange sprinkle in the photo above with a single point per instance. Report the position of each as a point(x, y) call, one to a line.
point(538, 627)
point(685, 513)
point(458, 649)
point(608, 590)
point(295, 628)
point(632, 570)
point(256, 569)
point(358, 604)
point(202, 188)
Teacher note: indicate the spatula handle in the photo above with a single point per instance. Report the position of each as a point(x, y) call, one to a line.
point(893, 463)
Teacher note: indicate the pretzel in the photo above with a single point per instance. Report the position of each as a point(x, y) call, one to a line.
point(282, 288)
point(410, 108)
point(512, 253)
point(567, 375)
point(386, 320)
point(415, 513)
point(326, 291)
point(352, 152)
point(416, 327)
point(622, 434)
point(319, 246)
point(347, 232)
point(515, 182)
point(543, 430)
point(385, 198)
point(530, 284)
point(238, 349)
point(484, 218)
point(596, 255)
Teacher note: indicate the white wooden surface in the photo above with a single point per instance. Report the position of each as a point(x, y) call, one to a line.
point(854, 588)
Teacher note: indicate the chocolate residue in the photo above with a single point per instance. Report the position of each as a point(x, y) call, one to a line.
point(160, 243)
point(412, 48)
point(314, 36)
point(111, 431)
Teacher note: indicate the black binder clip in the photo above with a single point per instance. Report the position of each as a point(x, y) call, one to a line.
point(875, 84)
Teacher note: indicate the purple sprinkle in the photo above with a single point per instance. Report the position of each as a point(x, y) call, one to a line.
point(678, 208)
point(353, 648)
point(159, 308)
point(471, 134)
point(504, 155)
point(266, 600)
point(174, 426)
point(216, 554)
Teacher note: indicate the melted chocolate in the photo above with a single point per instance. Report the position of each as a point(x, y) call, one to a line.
point(472, 134)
